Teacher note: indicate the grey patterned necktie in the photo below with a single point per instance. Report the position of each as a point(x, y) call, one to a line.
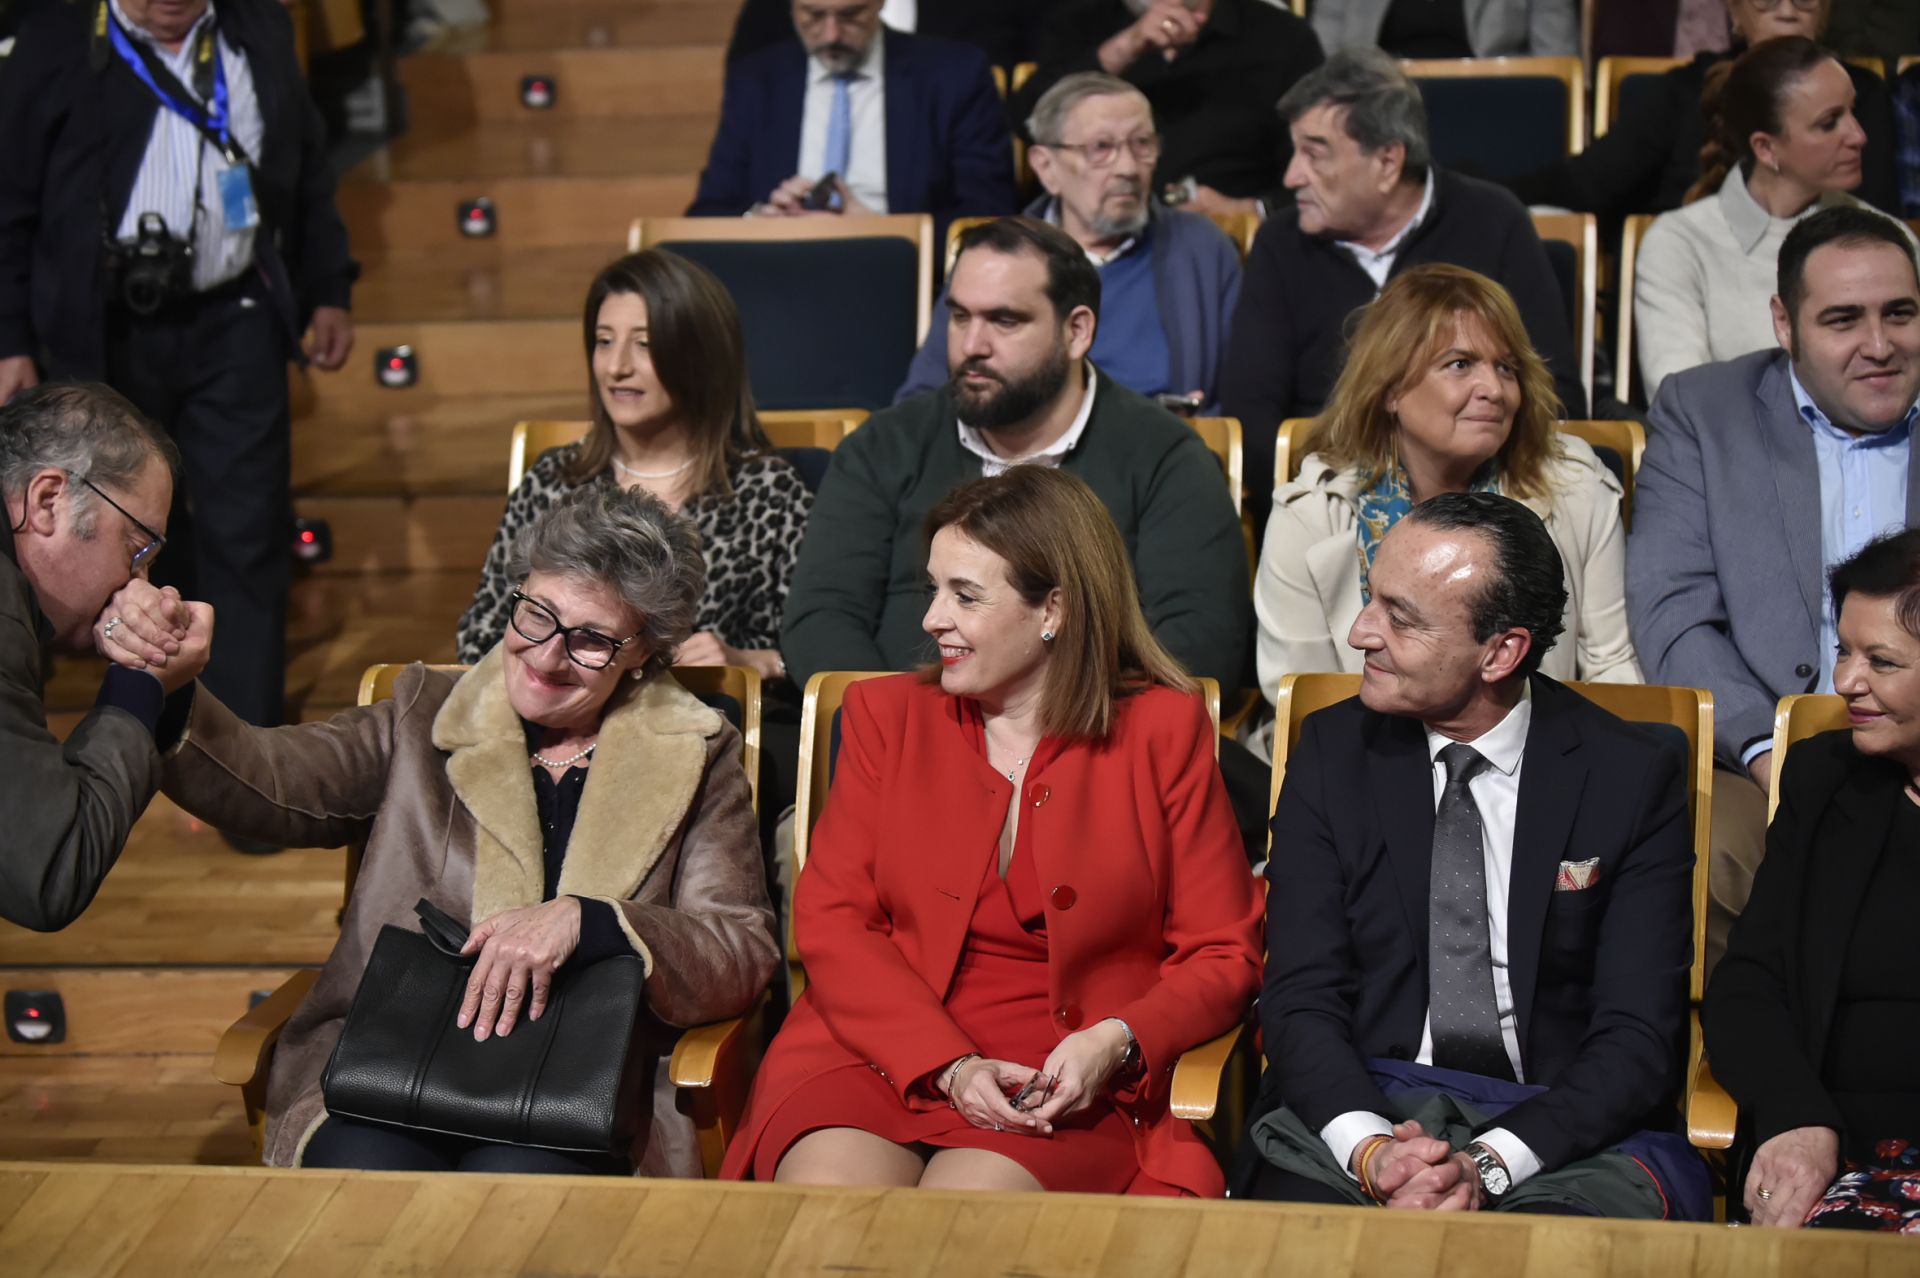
point(1466, 1020)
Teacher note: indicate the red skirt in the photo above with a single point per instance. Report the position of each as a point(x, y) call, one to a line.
point(999, 1000)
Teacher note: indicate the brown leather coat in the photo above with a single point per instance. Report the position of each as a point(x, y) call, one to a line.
point(436, 780)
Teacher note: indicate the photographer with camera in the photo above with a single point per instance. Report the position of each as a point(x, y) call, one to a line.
point(167, 225)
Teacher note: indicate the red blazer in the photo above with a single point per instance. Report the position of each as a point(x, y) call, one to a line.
point(1152, 913)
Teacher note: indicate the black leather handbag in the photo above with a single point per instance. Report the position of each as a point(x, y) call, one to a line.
point(576, 1079)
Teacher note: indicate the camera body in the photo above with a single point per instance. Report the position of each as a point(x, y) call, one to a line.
point(155, 269)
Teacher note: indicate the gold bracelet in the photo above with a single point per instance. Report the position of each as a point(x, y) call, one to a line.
point(1366, 1159)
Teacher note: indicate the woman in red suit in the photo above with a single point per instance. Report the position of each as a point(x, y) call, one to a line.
point(1026, 896)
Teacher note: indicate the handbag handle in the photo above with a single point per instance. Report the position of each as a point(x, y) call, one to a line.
point(441, 928)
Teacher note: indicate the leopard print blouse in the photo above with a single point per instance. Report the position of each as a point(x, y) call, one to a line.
point(751, 541)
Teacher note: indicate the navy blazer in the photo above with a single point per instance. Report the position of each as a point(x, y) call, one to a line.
point(1599, 975)
point(949, 152)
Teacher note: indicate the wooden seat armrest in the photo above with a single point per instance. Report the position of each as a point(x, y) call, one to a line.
point(1711, 1113)
point(707, 1051)
point(248, 1043)
point(1195, 1091)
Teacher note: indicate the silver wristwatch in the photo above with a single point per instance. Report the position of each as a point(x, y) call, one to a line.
point(1494, 1178)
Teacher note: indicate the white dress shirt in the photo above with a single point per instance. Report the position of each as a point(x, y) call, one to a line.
point(1379, 264)
point(177, 154)
point(901, 15)
point(1496, 792)
point(992, 463)
point(866, 174)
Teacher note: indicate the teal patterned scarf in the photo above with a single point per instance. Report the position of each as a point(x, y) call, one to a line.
point(1380, 507)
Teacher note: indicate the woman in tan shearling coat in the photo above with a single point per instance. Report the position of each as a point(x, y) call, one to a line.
point(565, 795)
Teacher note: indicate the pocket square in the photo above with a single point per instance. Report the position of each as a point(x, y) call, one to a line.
point(1577, 876)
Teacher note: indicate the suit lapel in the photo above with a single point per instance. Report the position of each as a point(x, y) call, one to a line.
point(1796, 480)
point(959, 825)
point(1552, 777)
point(1400, 788)
point(786, 105)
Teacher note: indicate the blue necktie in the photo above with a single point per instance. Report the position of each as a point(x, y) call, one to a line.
point(840, 130)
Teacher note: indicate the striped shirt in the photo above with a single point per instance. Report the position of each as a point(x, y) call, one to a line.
point(177, 155)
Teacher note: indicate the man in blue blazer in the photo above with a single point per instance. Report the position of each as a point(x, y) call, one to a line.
point(1479, 917)
point(1761, 473)
point(903, 124)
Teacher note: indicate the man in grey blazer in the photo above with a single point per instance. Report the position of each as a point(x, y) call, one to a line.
point(1488, 28)
point(1760, 474)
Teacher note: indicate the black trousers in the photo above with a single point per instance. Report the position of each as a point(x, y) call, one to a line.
point(348, 1144)
point(212, 372)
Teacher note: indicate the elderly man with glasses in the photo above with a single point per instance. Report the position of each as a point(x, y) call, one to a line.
point(1168, 278)
point(849, 117)
point(87, 482)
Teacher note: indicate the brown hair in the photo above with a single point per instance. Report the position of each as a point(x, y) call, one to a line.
point(1396, 337)
point(1743, 97)
point(699, 355)
point(1054, 532)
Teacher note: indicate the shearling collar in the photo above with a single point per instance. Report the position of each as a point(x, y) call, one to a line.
point(652, 754)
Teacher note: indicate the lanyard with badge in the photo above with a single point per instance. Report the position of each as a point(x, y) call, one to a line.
point(235, 182)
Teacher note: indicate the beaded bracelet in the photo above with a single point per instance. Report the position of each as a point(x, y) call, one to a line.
point(953, 1072)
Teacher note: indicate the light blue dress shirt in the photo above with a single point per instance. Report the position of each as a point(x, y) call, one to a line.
point(1863, 493)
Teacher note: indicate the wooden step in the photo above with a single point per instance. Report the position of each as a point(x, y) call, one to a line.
point(589, 84)
point(430, 534)
point(595, 24)
point(505, 357)
point(145, 1108)
point(453, 284)
point(659, 145)
point(452, 446)
point(401, 218)
point(150, 1011)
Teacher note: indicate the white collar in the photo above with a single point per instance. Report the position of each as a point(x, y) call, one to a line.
point(1392, 246)
point(873, 67)
point(1118, 251)
point(974, 442)
point(1503, 743)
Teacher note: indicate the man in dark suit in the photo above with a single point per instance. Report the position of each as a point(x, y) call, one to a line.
point(142, 125)
point(1479, 872)
point(900, 123)
point(1369, 204)
point(1761, 474)
point(87, 482)
point(1002, 29)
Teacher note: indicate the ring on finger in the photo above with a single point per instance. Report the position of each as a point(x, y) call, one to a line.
point(1765, 1194)
point(106, 631)
point(1166, 25)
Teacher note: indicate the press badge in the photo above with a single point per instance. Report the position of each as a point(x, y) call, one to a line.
point(237, 208)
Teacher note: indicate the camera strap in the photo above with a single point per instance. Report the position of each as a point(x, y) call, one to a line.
point(215, 122)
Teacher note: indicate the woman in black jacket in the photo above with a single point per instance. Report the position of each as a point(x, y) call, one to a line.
point(1650, 155)
point(1813, 1019)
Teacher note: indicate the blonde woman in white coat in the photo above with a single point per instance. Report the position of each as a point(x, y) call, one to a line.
point(1441, 393)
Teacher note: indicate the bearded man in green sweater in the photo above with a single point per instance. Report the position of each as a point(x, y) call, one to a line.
point(1024, 303)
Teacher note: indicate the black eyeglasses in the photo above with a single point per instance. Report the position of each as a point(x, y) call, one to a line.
point(155, 542)
point(536, 623)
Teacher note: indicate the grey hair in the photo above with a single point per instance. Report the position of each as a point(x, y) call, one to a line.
point(1056, 104)
point(1383, 105)
point(85, 429)
point(629, 541)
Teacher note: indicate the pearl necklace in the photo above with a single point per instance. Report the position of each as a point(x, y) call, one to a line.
point(631, 473)
point(568, 762)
